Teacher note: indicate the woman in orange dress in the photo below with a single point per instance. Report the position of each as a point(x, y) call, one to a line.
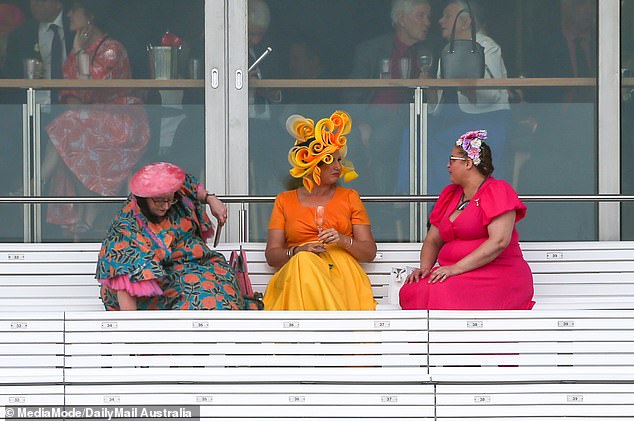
point(319, 232)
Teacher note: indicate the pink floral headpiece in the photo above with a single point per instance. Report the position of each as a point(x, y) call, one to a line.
point(471, 143)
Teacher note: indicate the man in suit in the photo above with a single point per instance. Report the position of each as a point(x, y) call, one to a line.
point(411, 22)
point(46, 35)
point(381, 116)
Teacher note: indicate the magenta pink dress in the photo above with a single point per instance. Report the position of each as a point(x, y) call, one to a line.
point(506, 283)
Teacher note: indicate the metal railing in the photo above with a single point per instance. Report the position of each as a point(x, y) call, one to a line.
point(598, 198)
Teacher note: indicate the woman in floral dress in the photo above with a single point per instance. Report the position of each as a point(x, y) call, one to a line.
point(155, 254)
point(103, 133)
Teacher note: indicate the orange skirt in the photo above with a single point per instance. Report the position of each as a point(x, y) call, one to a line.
point(333, 280)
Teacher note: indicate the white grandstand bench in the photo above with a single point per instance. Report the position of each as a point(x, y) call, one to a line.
point(253, 365)
point(31, 359)
point(532, 365)
point(567, 275)
point(262, 401)
point(31, 348)
point(209, 347)
point(535, 402)
point(494, 346)
point(30, 395)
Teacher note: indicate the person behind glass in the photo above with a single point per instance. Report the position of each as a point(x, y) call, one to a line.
point(473, 239)
point(45, 36)
point(319, 232)
point(410, 22)
point(103, 133)
point(259, 19)
point(155, 255)
point(11, 17)
point(570, 51)
point(458, 110)
point(379, 136)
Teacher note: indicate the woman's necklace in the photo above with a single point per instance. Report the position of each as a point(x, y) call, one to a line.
point(463, 203)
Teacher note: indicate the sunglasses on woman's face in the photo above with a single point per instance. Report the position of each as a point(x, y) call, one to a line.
point(158, 201)
point(456, 158)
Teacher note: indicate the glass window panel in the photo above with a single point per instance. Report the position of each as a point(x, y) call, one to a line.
point(93, 139)
point(541, 134)
point(11, 167)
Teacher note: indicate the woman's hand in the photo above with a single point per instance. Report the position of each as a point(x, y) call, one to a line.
point(83, 38)
point(218, 209)
point(417, 275)
point(329, 236)
point(311, 247)
point(442, 273)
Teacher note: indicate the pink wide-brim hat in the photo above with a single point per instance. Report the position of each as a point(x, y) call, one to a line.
point(157, 180)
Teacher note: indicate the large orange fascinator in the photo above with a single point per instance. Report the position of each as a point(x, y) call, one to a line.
point(317, 143)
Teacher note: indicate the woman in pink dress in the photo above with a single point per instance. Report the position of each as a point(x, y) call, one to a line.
point(473, 241)
point(103, 133)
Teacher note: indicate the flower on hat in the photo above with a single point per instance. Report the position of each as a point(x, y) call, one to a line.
point(316, 143)
point(471, 143)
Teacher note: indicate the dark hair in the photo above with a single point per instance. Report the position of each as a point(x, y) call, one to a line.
point(486, 160)
point(476, 11)
point(145, 208)
point(485, 167)
point(98, 10)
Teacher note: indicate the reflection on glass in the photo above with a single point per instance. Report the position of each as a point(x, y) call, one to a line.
point(11, 170)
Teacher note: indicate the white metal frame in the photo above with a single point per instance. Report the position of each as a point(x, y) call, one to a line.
point(609, 116)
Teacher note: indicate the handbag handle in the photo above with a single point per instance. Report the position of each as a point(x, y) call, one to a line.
point(452, 37)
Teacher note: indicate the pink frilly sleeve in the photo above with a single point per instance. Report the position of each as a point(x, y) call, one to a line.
point(147, 288)
point(440, 208)
point(498, 198)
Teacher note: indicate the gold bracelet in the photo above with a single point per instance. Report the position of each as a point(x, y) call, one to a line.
point(290, 252)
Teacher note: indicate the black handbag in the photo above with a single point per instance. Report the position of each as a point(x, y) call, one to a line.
point(462, 58)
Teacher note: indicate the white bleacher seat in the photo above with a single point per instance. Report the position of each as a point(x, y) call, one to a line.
point(537, 402)
point(31, 348)
point(30, 395)
point(271, 401)
point(567, 275)
point(335, 347)
point(503, 346)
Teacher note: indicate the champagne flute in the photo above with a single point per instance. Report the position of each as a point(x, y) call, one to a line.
point(320, 216)
point(404, 67)
point(425, 63)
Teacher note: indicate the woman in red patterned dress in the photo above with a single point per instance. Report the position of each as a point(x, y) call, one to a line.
point(103, 133)
point(473, 238)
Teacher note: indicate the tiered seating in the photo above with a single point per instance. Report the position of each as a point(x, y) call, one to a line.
point(253, 364)
point(31, 359)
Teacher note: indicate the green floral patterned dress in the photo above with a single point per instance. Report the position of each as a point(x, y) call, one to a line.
point(166, 265)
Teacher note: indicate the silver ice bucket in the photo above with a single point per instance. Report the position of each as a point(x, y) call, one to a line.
point(163, 62)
